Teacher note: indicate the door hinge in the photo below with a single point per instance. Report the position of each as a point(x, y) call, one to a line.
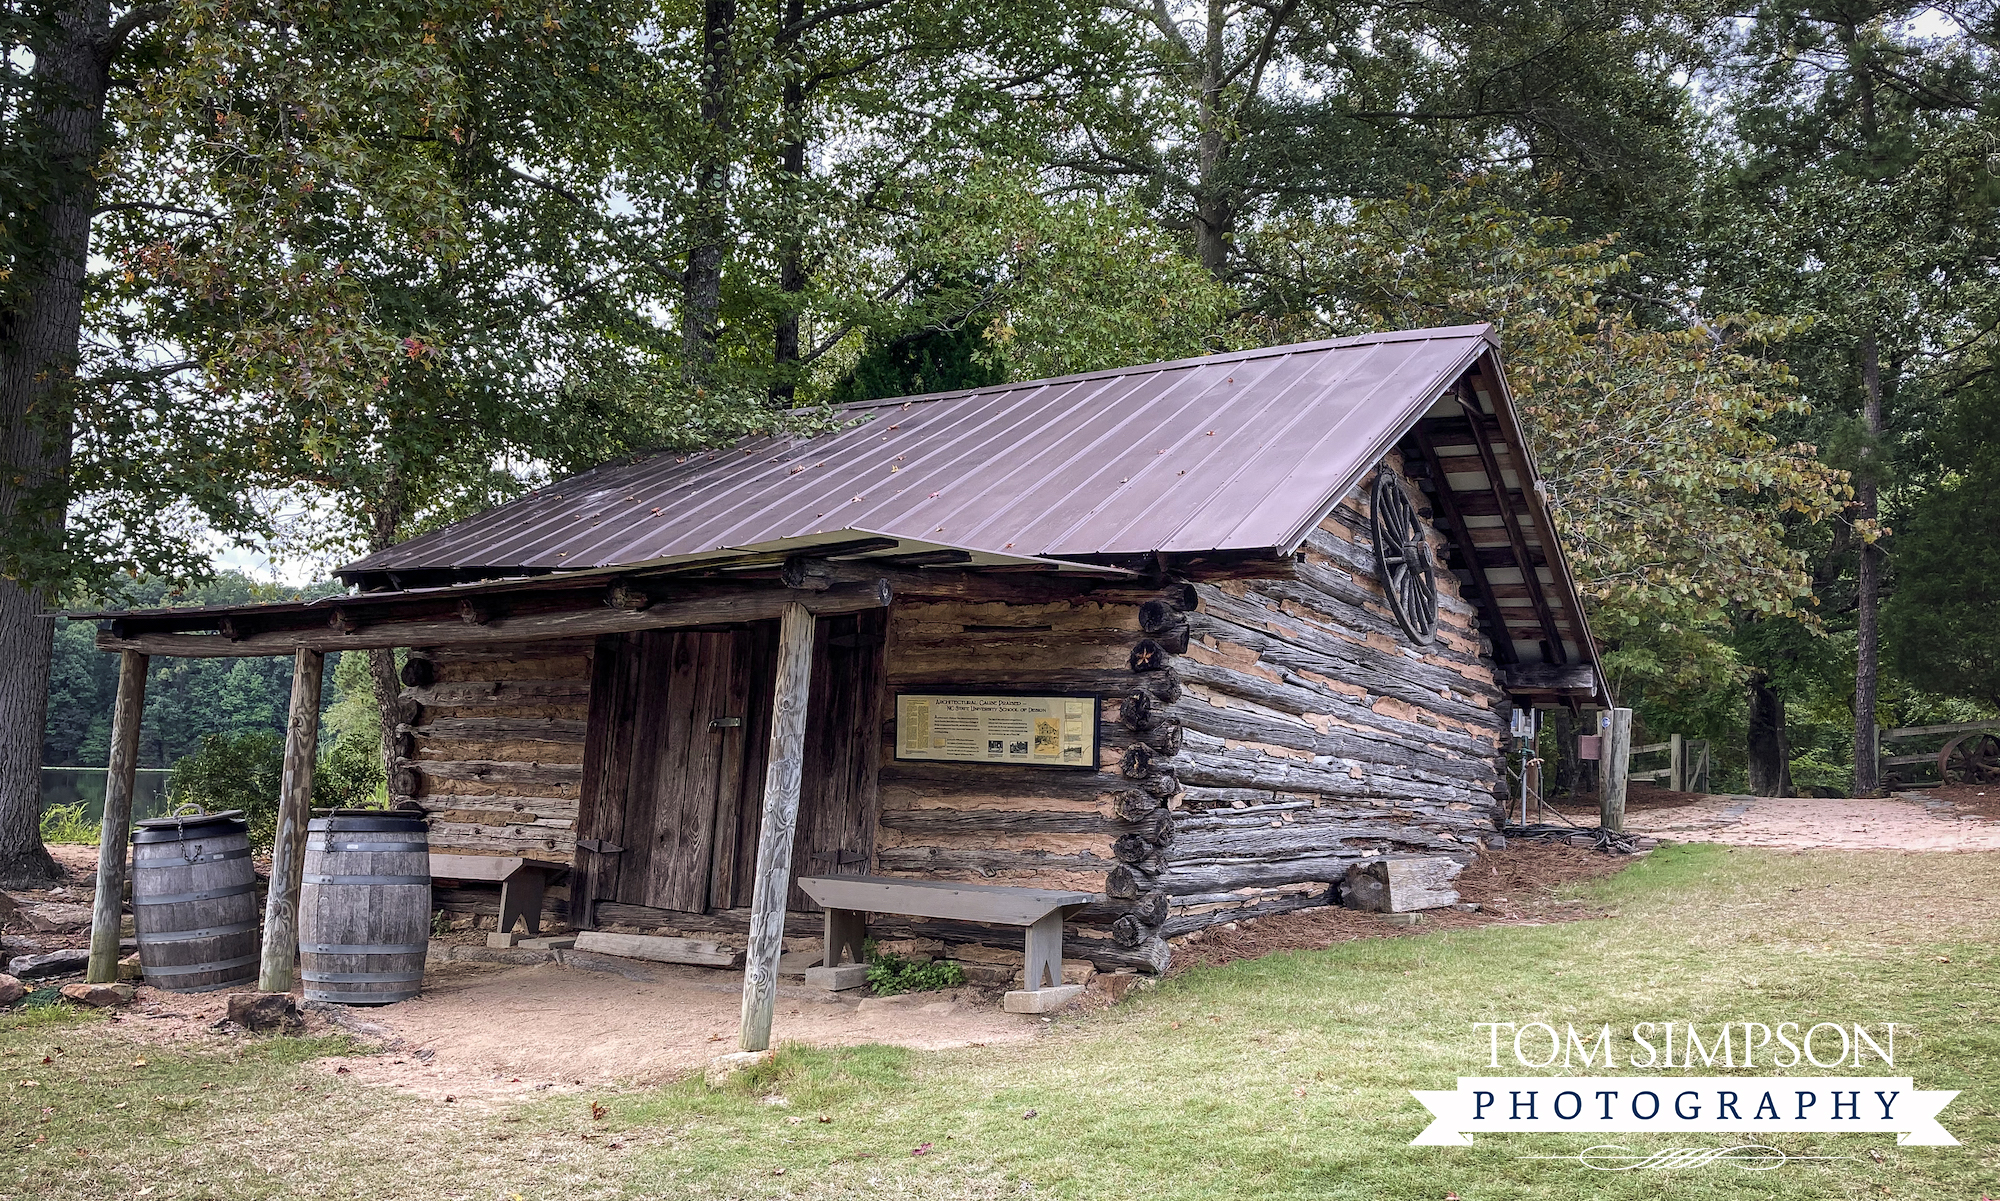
point(599, 845)
point(724, 723)
point(840, 858)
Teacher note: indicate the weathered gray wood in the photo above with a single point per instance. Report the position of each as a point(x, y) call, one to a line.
point(1044, 941)
point(1299, 694)
point(735, 923)
point(496, 770)
point(974, 861)
point(1401, 885)
point(1614, 763)
point(658, 949)
point(995, 821)
point(1224, 723)
point(1676, 763)
point(194, 905)
point(281, 904)
point(492, 868)
point(1550, 677)
point(486, 693)
point(498, 729)
point(717, 607)
point(941, 898)
point(783, 771)
point(113, 841)
point(364, 910)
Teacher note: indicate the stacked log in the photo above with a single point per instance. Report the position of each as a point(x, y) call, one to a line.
point(1028, 827)
point(1305, 733)
point(490, 744)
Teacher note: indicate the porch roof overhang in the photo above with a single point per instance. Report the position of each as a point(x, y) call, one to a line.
point(836, 571)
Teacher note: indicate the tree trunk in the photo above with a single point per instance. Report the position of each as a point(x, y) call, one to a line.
point(385, 521)
point(1563, 784)
point(1868, 581)
point(1214, 215)
point(1770, 750)
point(701, 281)
point(38, 359)
point(792, 263)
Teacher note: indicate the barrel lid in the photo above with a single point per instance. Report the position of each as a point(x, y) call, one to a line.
point(190, 825)
point(401, 821)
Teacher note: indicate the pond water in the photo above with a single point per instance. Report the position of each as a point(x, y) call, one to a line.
point(68, 785)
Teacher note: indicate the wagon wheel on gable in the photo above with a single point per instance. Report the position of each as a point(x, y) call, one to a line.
point(1970, 759)
point(1403, 558)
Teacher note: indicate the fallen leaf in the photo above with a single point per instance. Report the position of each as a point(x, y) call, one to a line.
point(139, 1063)
point(597, 1112)
point(448, 1098)
point(777, 1171)
point(922, 1149)
point(1027, 1115)
point(1299, 1091)
point(824, 1119)
point(343, 1070)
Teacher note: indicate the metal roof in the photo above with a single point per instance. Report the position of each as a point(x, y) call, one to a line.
point(1232, 452)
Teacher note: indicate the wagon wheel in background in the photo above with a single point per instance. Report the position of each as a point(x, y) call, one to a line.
point(1970, 759)
point(1403, 558)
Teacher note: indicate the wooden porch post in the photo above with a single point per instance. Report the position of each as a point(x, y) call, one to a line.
point(112, 845)
point(288, 850)
point(1613, 762)
point(781, 815)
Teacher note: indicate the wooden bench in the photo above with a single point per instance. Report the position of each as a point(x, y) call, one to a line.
point(848, 900)
point(522, 883)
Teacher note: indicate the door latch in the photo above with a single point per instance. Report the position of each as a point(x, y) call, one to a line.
point(724, 723)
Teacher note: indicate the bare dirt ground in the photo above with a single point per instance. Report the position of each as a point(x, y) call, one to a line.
point(1905, 822)
point(478, 1030)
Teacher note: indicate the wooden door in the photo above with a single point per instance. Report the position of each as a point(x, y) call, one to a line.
point(667, 770)
point(837, 799)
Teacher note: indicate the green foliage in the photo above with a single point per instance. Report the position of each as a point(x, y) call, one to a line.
point(929, 360)
point(890, 974)
point(69, 824)
point(1940, 624)
point(242, 771)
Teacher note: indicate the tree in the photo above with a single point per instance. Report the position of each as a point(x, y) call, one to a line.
point(1237, 113)
point(1855, 190)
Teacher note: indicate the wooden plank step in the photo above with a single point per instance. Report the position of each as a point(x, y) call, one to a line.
point(659, 949)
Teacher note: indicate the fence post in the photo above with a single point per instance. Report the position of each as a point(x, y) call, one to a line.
point(1613, 764)
point(1677, 763)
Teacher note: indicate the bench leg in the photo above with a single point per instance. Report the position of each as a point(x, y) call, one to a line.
point(1045, 952)
point(845, 930)
point(521, 896)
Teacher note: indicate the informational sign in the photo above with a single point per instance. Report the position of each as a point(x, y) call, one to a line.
point(1021, 731)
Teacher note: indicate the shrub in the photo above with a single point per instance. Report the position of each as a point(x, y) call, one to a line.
point(67, 824)
point(243, 771)
point(889, 974)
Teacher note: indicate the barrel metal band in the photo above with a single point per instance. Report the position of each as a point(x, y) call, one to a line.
point(359, 998)
point(180, 860)
point(322, 879)
point(152, 939)
point(360, 978)
point(347, 948)
point(240, 961)
point(205, 895)
point(370, 846)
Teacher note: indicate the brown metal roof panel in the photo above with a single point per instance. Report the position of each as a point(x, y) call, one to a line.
point(1184, 459)
point(1357, 423)
point(1063, 468)
point(1260, 451)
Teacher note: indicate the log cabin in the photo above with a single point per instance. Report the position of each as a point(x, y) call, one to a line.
point(1192, 638)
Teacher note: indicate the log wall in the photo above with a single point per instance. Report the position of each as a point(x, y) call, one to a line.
point(491, 746)
point(1261, 732)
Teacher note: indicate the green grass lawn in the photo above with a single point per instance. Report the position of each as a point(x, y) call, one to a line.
point(1281, 1077)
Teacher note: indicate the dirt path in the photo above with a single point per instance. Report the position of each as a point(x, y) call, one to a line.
point(1905, 822)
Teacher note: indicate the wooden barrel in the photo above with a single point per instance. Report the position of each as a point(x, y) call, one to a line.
point(194, 902)
point(365, 907)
